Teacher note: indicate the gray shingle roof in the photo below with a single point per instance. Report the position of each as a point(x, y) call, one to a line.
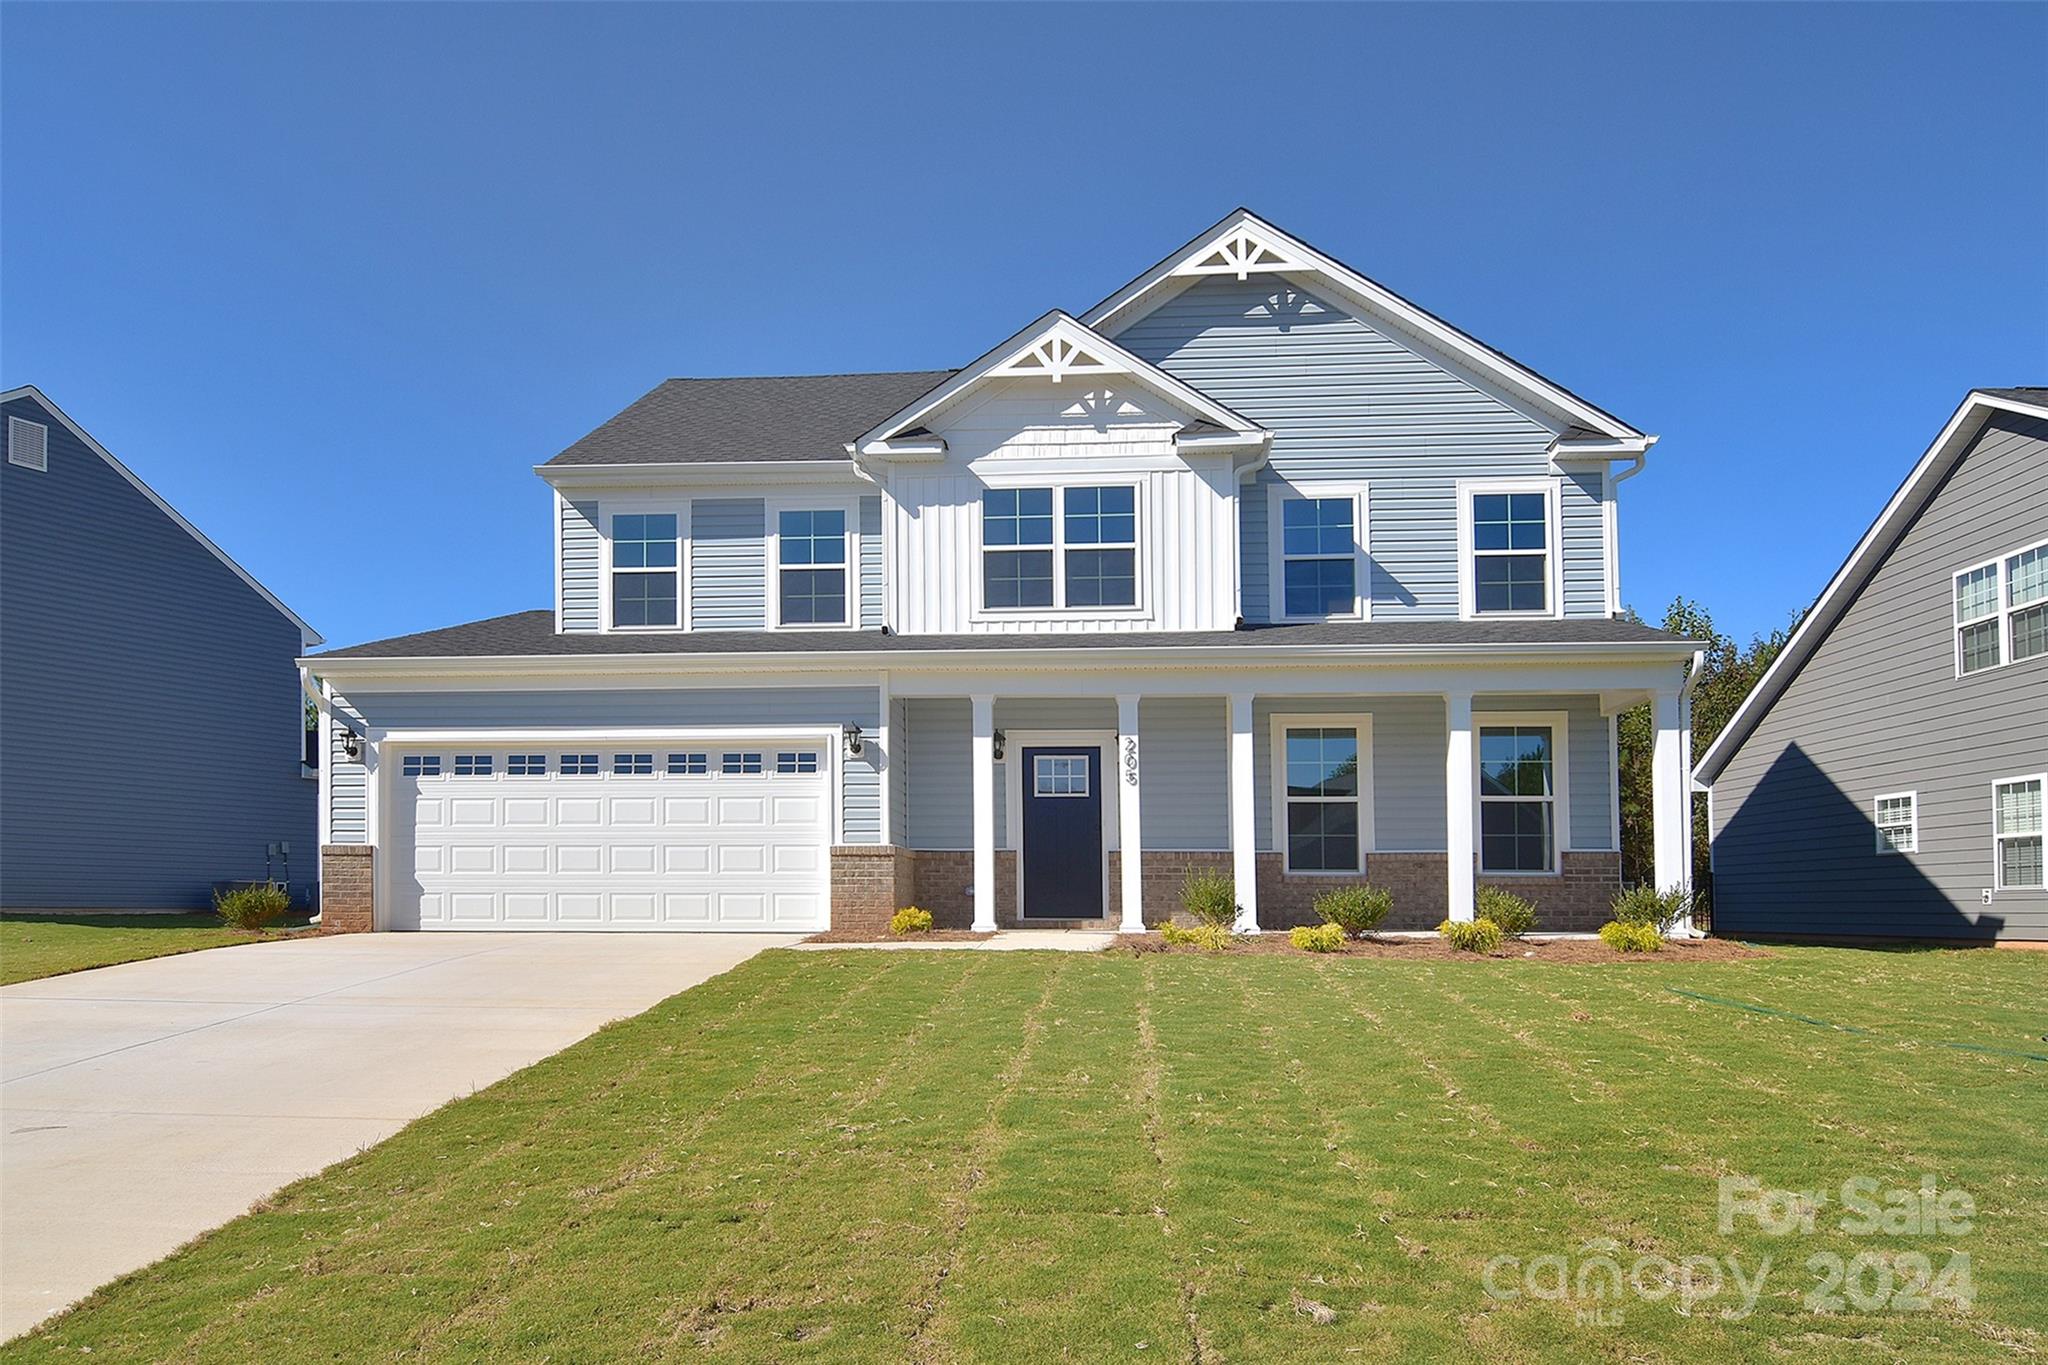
point(780, 417)
point(2027, 393)
point(532, 633)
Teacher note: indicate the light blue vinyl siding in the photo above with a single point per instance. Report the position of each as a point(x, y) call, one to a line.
point(748, 708)
point(1255, 598)
point(581, 567)
point(870, 527)
point(939, 803)
point(347, 783)
point(1408, 744)
point(1345, 400)
point(151, 723)
point(728, 564)
point(1585, 540)
point(898, 761)
point(1184, 757)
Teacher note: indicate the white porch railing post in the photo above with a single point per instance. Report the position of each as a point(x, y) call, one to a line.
point(1244, 857)
point(984, 757)
point(1670, 803)
point(1461, 776)
point(1125, 762)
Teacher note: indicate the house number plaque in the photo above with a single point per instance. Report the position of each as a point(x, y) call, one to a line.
point(1130, 760)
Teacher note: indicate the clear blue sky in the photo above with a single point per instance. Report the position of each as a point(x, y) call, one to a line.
point(333, 278)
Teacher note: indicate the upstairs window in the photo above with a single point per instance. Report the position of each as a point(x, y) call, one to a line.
point(1102, 546)
point(1509, 535)
point(1318, 564)
point(2001, 611)
point(2026, 601)
point(1084, 558)
point(646, 579)
point(811, 568)
point(1016, 538)
point(2016, 832)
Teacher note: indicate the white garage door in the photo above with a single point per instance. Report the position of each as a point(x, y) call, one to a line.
point(719, 837)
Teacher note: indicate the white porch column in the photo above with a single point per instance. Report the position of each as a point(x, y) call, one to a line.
point(1461, 777)
point(1670, 803)
point(1126, 777)
point(1244, 856)
point(984, 748)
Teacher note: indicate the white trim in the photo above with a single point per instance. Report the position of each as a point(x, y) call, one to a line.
point(1142, 589)
point(1614, 767)
point(1885, 847)
point(1856, 570)
point(1128, 778)
point(1559, 724)
point(1377, 298)
point(1360, 723)
point(886, 736)
point(1553, 551)
point(1997, 861)
point(771, 541)
point(1278, 495)
point(1014, 744)
point(1244, 852)
point(560, 504)
point(1610, 536)
point(657, 477)
point(606, 513)
point(981, 751)
point(309, 635)
point(2002, 608)
point(1461, 806)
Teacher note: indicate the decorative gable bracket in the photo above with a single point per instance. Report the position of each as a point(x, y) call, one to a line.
point(1243, 253)
point(1054, 357)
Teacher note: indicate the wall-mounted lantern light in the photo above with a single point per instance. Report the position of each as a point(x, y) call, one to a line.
point(351, 746)
point(1001, 739)
point(854, 740)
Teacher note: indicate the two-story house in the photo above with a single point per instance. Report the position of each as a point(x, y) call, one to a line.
point(1886, 776)
point(1254, 565)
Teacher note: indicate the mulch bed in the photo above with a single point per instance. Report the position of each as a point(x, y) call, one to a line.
point(863, 936)
point(1435, 949)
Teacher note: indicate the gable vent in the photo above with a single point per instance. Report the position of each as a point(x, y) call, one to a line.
point(28, 444)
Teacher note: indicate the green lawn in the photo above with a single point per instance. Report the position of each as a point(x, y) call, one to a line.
point(33, 946)
point(1028, 1156)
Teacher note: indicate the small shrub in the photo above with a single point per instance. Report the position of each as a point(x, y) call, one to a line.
point(253, 906)
point(1647, 905)
point(1471, 936)
point(1211, 897)
point(1317, 938)
point(1514, 915)
point(1355, 910)
point(1625, 936)
point(1210, 938)
point(910, 920)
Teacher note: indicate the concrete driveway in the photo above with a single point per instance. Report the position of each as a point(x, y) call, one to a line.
point(142, 1104)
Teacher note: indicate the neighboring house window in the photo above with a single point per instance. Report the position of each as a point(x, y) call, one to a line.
point(646, 582)
point(422, 765)
point(1319, 562)
point(1016, 538)
point(633, 765)
point(2002, 611)
point(1323, 791)
point(741, 764)
point(689, 765)
point(811, 557)
point(800, 761)
point(472, 765)
point(1898, 826)
point(1510, 551)
point(1102, 546)
point(579, 765)
point(526, 765)
point(1520, 772)
point(1059, 775)
point(2017, 830)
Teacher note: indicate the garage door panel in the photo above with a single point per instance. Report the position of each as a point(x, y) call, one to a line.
point(560, 845)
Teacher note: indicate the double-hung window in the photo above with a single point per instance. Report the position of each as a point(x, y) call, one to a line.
point(1521, 794)
point(1510, 549)
point(646, 579)
point(1318, 564)
point(811, 568)
point(2016, 832)
point(1898, 822)
point(1085, 557)
point(2002, 611)
point(1323, 791)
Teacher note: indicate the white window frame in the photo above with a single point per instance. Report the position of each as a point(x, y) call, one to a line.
point(1060, 766)
point(2001, 613)
point(1912, 826)
point(1553, 552)
point(1997, 858)
point(775, 507)
point(1560, 771)
point(606, 512)
point(1059, 611)
point(1276, 552)
point(1279, 724)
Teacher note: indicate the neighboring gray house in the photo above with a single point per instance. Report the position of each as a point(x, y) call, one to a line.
point(1886, 777)
point(1255, 566)
point(151, 714)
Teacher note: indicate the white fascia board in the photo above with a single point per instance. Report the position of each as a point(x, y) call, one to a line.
point(875, 442)
point(640, 476)
point(1863, 561)
point(309, 635)
point(1132, 301)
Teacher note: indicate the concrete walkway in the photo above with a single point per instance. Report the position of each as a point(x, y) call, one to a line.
point(143, 1104)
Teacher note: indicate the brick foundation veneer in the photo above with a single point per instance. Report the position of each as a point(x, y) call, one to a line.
point(870, 882)
point(348, 881)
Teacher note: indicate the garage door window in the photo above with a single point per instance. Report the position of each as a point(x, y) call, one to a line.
point(741, 764)
point(579, 765)
point(802, 761)
point(472, 765)
point(633, 765)
point(527, 765)
point(422, 765)
point(688, 765)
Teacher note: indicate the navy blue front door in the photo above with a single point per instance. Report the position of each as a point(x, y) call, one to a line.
point(1063, 832)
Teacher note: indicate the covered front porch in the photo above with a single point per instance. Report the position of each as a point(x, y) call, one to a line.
point(1024, 806)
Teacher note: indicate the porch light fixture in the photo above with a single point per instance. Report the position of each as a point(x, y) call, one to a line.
point(854, 740)
point(351, 746)
point(1000, 739)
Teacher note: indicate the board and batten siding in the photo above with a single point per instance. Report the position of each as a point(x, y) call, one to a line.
point(152, 727)
point(761, 708)
point(1004, 434)
point(1348, 401)
point(581, 567)
point(1878, 708)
